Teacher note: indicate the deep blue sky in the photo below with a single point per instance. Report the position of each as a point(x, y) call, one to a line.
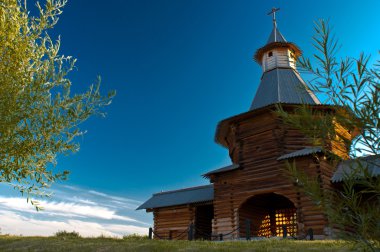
point(179, 67)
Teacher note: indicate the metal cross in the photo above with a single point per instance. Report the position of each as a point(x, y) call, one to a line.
point(273, 12)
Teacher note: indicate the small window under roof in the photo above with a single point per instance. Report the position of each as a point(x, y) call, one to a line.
point(270, 54)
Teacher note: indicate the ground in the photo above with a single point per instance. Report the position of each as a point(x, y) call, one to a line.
point(18, 243)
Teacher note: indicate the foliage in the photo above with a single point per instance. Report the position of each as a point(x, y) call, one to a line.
point(39, 114)
point(97, 244)
point(67, 235)
point(349, 128)
point(135, 237)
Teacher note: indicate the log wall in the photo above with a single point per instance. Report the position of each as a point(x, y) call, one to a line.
point(255, 144)
point(172, 221)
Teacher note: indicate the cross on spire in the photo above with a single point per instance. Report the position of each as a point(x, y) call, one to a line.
point(273, 13)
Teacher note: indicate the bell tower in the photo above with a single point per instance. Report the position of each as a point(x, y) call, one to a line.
point(280, 81)
point(259, 143)
point(277, 52)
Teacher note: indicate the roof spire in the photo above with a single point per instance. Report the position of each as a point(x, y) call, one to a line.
point(280, 82)
point(273, 13)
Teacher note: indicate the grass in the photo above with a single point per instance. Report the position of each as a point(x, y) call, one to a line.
point(18, 243)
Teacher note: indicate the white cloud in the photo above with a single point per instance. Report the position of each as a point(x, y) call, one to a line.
point(115, 198)
point(84, 201)
point(92, 197)
point(89, 212)
point(12, 223)
point(67, 209)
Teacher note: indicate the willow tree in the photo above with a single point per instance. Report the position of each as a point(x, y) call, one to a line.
point(39, 116)
point(351, 87)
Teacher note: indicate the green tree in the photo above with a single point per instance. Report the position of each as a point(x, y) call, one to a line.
point(39, 115)
point(350, 86)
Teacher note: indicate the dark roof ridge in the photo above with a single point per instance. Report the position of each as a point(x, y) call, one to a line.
point(184, 189)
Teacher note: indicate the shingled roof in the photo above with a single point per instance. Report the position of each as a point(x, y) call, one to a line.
point(282, 85)
point(354, 167)
point(276, 36)
point(223, 169)
point(300, 153)
point(180, 197)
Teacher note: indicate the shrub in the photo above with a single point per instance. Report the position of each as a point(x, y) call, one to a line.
point(66, 234)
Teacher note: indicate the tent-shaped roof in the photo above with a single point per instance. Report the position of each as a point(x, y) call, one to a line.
point(282, 85)
point(276, 36)
point(276, 40)
point(180, 197)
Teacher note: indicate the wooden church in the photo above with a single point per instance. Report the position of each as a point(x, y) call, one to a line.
point(255, 189)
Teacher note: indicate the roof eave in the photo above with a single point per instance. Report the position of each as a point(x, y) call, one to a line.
point(260, 52)
point(301, 153)
point(223, 126)
point(206, 196)
point(232, 167)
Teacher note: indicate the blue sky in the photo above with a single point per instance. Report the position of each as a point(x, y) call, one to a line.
point(179, 67)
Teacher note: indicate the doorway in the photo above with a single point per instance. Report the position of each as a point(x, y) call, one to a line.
point(268, 215)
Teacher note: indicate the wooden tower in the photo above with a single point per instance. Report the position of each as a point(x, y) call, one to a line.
point(255, 190)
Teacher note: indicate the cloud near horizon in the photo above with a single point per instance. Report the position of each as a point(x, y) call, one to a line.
point(89, 212)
